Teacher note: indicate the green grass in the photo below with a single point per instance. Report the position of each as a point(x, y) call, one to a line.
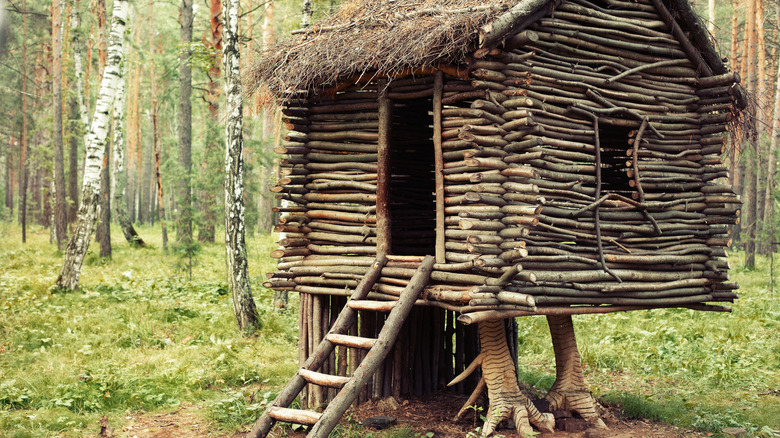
point(700, 370)
point(139, 336)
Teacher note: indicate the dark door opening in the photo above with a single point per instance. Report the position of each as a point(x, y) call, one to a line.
point(412, 182)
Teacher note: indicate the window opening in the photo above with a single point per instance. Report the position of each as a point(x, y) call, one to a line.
point(614, 159)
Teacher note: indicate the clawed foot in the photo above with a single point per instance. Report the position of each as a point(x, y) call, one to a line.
point(520, 409)
point(579, 401)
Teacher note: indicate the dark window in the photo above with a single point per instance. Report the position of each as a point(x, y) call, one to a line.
point(614, 159)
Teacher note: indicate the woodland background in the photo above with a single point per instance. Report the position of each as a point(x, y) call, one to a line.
point(36, 164)
point(152, 329)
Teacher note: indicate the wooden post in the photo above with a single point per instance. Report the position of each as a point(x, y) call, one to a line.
point(383, 171)
point(438, 157)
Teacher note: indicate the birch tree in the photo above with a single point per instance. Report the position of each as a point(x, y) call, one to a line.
point(118, 173)
point(68, 279)
point(243, 303)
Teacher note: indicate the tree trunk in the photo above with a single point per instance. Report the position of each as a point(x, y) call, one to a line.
point(9, 184)
point(749, 227)
point(208, 188)
point(736, 141)
point(23, 136)
point(711, 16)
point(146, 184)
point(118, 174)
point(308, 11)
point(184, 227)
point(769, 203)
point(761, 124)
point(103, 234)
point(243, 303)
point(156, 135)
point(268, 171)
point(68, 279)
point(73, 157)
point(100, 13)
point(60, 213)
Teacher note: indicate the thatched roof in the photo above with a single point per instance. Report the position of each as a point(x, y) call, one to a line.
point(392, 36)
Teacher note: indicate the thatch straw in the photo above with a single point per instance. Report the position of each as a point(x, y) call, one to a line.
point(366, 37)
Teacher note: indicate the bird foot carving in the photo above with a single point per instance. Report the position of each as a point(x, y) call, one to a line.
point(575, 400)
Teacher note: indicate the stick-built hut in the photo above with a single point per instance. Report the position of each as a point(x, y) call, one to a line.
point(555, 157)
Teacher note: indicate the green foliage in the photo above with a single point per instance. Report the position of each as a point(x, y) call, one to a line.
point(680, 366)
point(139, 337)
point(135, 337)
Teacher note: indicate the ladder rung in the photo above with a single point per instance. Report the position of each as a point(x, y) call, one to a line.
point(297, 416)
point(323, 379)
point(351, 341)
point(377, 306)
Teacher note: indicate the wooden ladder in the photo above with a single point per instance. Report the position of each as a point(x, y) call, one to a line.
point(323, 423)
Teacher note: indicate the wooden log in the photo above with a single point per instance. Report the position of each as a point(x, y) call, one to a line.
point(390, 330)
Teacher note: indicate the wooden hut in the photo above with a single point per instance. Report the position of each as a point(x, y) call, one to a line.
point(553, 157)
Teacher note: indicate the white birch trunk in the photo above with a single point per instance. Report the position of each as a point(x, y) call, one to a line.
point(78, 69)
point(68, 279)
point(308, 11)
point(118, 174)
point(711, 13)
point(243, 303)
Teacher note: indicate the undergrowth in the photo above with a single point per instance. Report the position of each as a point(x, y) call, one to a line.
point(140, 336)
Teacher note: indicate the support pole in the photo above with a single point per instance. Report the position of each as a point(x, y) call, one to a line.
point(383, 171)
point(438, 157)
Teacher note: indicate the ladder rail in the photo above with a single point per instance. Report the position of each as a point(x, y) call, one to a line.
point(345, 319)
point(384, 343)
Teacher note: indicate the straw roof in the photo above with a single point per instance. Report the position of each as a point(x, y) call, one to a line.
point(375, 35)
point(391, 36)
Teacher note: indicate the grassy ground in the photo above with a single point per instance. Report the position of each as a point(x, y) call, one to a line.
point(141, 336)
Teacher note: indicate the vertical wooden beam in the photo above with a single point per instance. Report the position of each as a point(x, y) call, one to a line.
point(438, 157)
point(383, 172)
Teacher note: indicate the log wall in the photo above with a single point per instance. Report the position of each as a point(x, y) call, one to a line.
point(581, 173)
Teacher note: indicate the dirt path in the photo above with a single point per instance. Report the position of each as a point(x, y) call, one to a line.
point(432, 413)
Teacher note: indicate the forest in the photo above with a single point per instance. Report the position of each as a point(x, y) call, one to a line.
point(138, 178)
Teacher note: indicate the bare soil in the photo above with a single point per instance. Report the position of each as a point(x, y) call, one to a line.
point(431, 413)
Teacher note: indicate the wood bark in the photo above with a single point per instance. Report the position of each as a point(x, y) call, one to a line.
point(184, 189)
point(23, 134)
point(78, 117)
point(771, 172)
point(68, 279)
point(118, 173)
point(207, 202)
point(750, 160)
point(60, 211)
point(306, 16)
point(103, 230)
point(243, 303)
point(154, 50)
